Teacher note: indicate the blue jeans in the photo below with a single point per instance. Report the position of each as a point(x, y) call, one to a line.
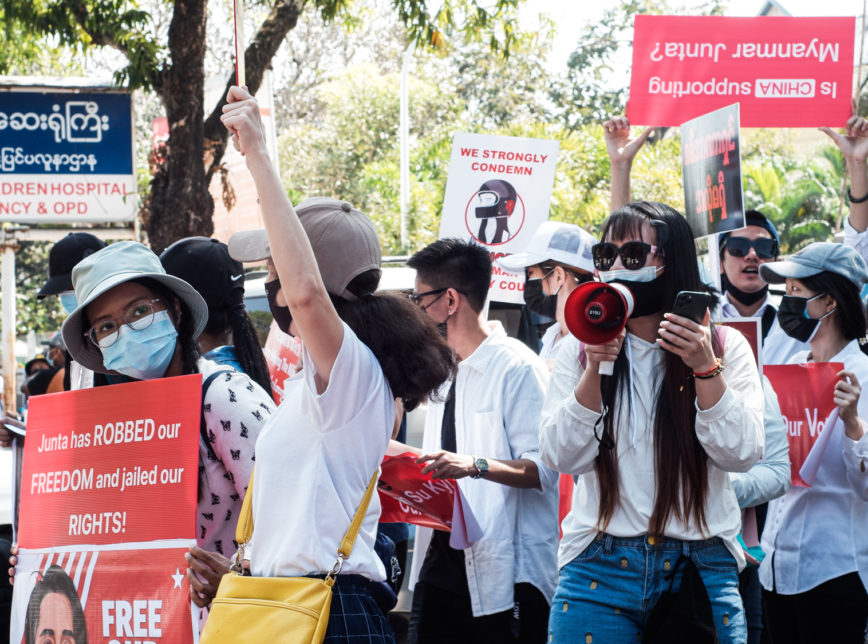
point(605, 594)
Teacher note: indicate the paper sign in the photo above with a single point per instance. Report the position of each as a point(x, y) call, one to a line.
point(283, 358)
point(750, 329)
point(711, 167)
point(109, 487)
point(785, 72)
point(806, 396)
point(421, 500)
point(497, 194)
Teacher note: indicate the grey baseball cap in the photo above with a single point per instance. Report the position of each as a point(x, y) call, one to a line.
point(343, 239)
point(102, 271)
point(816, 258)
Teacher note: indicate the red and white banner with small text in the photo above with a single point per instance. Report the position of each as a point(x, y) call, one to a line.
point(108, 506)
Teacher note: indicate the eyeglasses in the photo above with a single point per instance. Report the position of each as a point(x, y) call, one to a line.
point(139, 316)
point(633, 255)
point(416, 298)
point(765, 247)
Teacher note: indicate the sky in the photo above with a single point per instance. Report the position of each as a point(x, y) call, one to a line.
point(572, 15)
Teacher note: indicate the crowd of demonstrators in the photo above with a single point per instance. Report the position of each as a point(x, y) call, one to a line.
point(484, 434)
point(816, 568)
point(361, 351)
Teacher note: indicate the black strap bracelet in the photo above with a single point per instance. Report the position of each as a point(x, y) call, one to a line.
point(853, 199)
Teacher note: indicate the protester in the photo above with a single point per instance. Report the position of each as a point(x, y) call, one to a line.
point(62, 258)
point(556, 260)
point(362, 350)
point(743, 295)
point(229, 337)
point(57, 356)
point(483, 433)
point(134, 319)
point(815, 572)
point(653, 453)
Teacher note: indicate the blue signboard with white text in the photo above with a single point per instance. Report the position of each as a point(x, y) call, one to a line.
point(66, 157)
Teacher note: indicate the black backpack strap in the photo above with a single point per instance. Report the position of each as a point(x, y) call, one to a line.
point(203, 430)
point(768, 319)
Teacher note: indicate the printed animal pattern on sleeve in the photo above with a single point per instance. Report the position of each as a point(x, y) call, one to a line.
point(235, 410)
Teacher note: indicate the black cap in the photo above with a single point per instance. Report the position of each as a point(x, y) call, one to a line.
point(64, 255)
point(205, 264)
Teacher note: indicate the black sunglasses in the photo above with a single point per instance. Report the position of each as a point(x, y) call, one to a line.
point(740, 246)
point(633, 255)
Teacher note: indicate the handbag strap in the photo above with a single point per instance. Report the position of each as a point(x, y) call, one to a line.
point(244, 529)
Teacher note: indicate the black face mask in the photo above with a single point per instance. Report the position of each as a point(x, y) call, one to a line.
point(537, 301)
point(794, 320)
point(648, 297)
point(740, 296)
point(281, 314)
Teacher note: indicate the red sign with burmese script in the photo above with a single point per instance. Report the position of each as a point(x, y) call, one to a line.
point(99, 462)
point(785, 72)
point(806, 396)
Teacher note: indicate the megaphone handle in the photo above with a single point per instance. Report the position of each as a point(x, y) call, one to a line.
point(606, 368)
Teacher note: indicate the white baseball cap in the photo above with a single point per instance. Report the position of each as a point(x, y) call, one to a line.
point(554, 241)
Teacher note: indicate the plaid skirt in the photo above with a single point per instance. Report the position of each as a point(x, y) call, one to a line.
point(355, 618)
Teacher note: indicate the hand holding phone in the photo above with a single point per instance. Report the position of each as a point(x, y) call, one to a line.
point(692, 305)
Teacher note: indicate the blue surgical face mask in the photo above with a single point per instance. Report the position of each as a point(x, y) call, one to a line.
point(644, 274)
point(144, 354)
point(68, 301)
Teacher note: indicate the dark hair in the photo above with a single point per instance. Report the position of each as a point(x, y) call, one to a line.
point(753, 218)
point(681, 468)
point(455, 263)
point(850, 314)
point(247, 349)
point(57, 581)
point(411, 351)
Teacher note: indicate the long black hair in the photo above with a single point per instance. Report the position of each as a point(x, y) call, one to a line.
point(411, 351)
point(681, 468)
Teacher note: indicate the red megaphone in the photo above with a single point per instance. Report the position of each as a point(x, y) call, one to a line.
point(596, 312)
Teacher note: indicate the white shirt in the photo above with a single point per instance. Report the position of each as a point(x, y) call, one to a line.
point(551, 342)
point(499, 395)
point(855, 239)
point(235, 409)
point(778, 347)
point(819, 533)
point(731, 432)
point(315, 458)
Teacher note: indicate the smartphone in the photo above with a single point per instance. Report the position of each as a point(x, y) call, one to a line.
point(692, 305)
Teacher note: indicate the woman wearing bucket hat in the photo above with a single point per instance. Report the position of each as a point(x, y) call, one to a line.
point(134, 319)
point(361, 352)
point(815, 572)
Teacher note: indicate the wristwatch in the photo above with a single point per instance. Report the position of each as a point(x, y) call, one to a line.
point(481, 468)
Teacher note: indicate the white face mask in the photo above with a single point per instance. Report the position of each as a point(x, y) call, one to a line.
point(644, 274)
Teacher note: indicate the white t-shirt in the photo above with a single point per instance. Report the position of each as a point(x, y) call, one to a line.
point(315, 458)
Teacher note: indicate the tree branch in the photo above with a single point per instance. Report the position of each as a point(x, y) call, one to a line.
point(257, 57)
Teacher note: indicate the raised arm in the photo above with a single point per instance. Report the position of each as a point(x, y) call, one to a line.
point(314, 316)
point(853, 145)
point(622, 150)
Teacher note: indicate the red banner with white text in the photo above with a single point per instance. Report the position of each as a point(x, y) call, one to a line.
point(806, 396)
point(108, 505)
point(785, 72)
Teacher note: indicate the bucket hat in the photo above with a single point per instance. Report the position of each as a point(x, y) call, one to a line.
point(102, 271)
point(343, 239)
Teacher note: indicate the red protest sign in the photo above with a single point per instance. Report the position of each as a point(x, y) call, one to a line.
point(751, 330)
point(109, 487)
point(408, 496)
point(283, 357)
point(98, 462)
point(95, 586)
point(805, 393)
point(785, 72)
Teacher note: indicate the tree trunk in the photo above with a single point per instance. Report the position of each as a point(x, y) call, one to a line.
point(179, 204)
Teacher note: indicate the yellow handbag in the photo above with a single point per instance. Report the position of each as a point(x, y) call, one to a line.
point(253, 610)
